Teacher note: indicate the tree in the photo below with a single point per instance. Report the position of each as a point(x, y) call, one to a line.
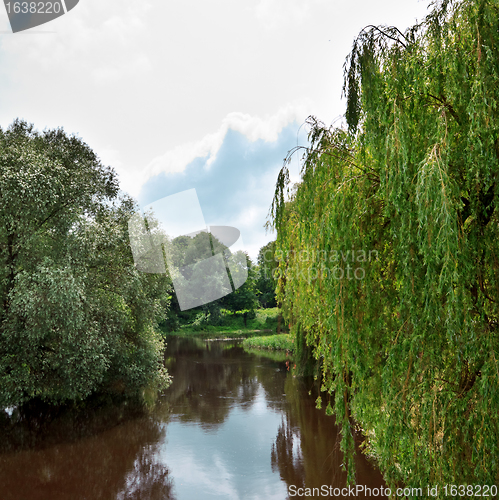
point(76, 316)
point(205, 267)
point(400, 299)
point(266, 282)
point(197, 264)
point(243, 298)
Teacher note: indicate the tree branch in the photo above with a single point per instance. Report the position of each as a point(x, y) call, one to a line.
point(388, 36)
point(443, 101)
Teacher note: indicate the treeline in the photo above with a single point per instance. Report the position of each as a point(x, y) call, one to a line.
point(257, 292)
point(408, 342)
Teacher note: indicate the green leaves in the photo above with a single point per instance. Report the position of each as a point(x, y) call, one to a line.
point(76, 316)
point(409, 345)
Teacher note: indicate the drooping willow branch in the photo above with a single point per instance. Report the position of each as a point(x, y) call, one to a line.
point(384, 33)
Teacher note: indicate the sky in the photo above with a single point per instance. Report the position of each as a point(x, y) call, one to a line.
point(205, 94)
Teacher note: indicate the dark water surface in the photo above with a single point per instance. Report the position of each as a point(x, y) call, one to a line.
point(232, 426)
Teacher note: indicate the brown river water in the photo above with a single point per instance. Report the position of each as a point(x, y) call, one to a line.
point(232, 425)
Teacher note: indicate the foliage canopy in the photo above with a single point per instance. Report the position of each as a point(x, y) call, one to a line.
point(76, 317)
point(409, 340)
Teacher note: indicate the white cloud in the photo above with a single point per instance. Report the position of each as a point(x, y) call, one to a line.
point(235, 178)
point(133, 177)
point(253, 127)
point(276, 13)
point(268, 128)
point(177, 159)
point(97, 41)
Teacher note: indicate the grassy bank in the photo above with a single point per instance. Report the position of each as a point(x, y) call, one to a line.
point(282, 342)
point(229, 324)
point(217, 334)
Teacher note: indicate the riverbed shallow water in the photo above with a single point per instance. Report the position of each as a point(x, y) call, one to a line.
point(232, 425)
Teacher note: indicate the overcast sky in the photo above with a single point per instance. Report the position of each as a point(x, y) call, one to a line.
point(205, 94)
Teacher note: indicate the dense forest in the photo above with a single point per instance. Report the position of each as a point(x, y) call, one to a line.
point(388, 249)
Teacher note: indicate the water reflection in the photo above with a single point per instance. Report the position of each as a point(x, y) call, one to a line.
point(306, 450)
point(111, 453)
point(209, 379)
point(262, 412)
point(232, 426)
point(222, 422)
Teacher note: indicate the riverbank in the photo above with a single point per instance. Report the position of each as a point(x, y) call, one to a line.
point(220, 335)
point(229, 325)
point(280, 342)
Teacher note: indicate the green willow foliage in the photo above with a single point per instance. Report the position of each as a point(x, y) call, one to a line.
point(390, 249)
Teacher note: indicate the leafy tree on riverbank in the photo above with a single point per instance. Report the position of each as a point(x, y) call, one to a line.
point(76, 316)
point(244, 298)
point(186, 253)
point(389, 248)
point(266, 282)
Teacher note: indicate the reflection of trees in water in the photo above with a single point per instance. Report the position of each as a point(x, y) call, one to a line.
point(106, 454)
point(209, 379)
point(320, 437)
point(38, 425)
point(286, 456)
point(306, 450)
point(148, 480)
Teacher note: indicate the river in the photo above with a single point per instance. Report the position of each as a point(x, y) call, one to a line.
point(233, 425)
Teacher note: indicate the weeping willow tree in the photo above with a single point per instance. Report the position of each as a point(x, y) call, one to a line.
point(389, 249)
